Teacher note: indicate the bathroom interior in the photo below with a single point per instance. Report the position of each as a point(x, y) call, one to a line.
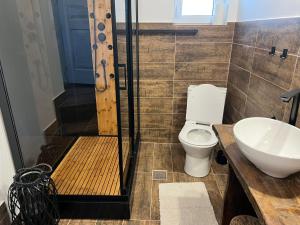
point(153, 112)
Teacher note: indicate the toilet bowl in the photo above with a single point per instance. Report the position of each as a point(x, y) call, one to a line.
point(205, 106)
point(198, 142)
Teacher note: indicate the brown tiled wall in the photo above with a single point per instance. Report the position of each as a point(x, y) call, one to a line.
point(168, 65)
point(257, 79)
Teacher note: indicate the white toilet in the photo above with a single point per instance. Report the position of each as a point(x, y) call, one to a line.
point(205, 107)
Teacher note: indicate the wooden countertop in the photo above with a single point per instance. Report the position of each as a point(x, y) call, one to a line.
point(275, 201)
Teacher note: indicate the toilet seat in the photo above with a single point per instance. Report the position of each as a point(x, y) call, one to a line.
point(198, 135)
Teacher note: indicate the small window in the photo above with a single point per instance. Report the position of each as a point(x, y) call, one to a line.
point(194, 11)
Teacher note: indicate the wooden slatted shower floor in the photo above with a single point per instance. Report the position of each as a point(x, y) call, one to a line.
point(91, 167)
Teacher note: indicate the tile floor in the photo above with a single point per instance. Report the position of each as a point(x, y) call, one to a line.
point(170, 157)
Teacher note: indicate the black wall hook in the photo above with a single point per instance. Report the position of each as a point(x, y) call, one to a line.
point(284, 54)
point(273, 51)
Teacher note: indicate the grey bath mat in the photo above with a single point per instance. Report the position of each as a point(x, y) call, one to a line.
point(185, 204)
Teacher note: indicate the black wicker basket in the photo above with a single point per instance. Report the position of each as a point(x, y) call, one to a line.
point(32, 197)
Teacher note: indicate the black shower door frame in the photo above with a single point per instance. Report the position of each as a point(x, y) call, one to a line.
point(135, 140)
point(81, 206)
point(126, 181)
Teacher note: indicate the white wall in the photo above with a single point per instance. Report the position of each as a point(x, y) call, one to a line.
point(156, 11)
point(162, 11)
point(233, 10)
point(267, 9)
point(7, 169)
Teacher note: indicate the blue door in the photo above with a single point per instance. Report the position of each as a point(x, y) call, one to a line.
point(74, 27)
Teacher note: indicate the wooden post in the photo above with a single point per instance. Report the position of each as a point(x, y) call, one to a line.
point(100, 13)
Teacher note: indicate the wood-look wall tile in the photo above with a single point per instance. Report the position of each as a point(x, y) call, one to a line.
point(156, 135)
point(178, 157)
point(157, 68)
point(142, 197)
point(265, 96)
point(156, 120)
point(296, 79)
point(242, 56)
point(157, 48)
point(282, 33)
point(180, 87)
point(178, 120)
point(157, 71)
point(125, 132)
point(155, 209)
point(124, 120)
point(206, 33)
point(231, 115)
point(122, 57)
point(245, 33)
point(123, 104)
point(273, 69)
point(297, 71)
point(156, 105)
point(156, 88)
point(296, 82)
point(236, 98)
point(179, 105)
point(174, 135)
point(239, 78)
point(163, 157)
point(256, 110)
point(201, 71)
point(203, 52)
point(156, 26)
point(145, 157)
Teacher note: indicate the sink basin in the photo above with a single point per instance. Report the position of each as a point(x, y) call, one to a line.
point(271, 145)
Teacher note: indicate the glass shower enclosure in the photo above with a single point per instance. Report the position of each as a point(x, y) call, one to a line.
point(70, 97)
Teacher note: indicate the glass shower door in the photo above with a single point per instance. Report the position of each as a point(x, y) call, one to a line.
point(126, 60)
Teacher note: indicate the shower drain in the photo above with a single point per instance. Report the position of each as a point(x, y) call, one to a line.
point(159, 174)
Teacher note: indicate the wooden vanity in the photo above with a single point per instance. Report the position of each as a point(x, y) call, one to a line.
point(251, 192)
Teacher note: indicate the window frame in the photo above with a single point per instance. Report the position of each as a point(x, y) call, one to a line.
point(195, 19)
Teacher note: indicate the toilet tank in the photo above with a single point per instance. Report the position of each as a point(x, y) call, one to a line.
point(205, 104)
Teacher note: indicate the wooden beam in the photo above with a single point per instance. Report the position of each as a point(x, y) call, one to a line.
point(105, 82)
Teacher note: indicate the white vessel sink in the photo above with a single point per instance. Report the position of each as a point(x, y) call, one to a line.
point(271, 145)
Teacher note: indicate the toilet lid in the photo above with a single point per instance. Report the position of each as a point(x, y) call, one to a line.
point(199, 135)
